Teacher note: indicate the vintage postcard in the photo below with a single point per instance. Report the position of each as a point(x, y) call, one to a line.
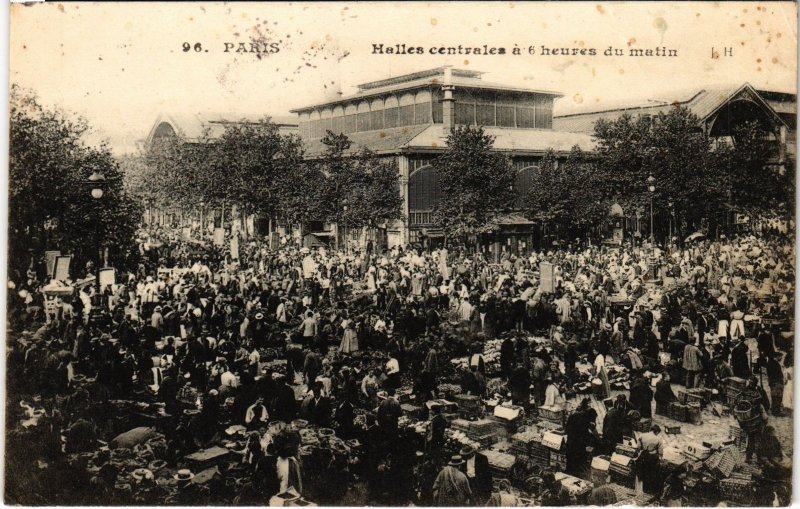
point(401, 254)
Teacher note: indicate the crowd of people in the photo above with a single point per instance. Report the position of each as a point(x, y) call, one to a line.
point(331, 338)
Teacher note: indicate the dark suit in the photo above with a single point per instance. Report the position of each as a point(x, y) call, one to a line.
point(284, 404)
point(481, 483)
point(316, 410)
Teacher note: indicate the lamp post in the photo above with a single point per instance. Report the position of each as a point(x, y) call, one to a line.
point(651, 187)
point(97, 184)
point(344, 226)
point(671, 215)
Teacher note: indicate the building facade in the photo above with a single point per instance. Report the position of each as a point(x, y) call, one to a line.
point(407, 118)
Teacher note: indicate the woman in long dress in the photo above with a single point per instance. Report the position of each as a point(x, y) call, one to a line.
point(349, 342)
point(788, 388)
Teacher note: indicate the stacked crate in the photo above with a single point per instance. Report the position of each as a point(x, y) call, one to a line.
point(739, 437)
point(469, 406)
point(733, 388)
point(500, 464)
point(621, 470)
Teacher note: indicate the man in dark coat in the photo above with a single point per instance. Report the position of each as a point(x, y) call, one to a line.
point(478, 474)
point(520, 386)
point(284, 405)
point(641, 397)
point(316, 408)
point(740, 360)
point(507, 358)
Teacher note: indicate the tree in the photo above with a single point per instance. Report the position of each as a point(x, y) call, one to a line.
point(754, 186)
point(568, 196)
point(365, 182)
point(676, 152)
point(476, 183)
point(50, 206)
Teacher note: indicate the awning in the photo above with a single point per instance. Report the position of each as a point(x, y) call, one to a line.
point(322, 234)
point(433, 232)
point(513, 220)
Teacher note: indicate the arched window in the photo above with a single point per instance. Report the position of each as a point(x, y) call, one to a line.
point(350, 112)
point(376, 114)
point(422, 107)
point(327, 120)
point(391, 109)
point(406, 110)
point(424, 191)
point(338, 120)
point(362, 121)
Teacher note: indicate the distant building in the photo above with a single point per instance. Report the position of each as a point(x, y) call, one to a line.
point(192, 128)
point(720, 110)
point(407, 118)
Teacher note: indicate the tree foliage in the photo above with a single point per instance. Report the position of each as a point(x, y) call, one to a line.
point(567, 196)
point(50, 205)
point(694, 176)
point(476, 183)
point(366, 183)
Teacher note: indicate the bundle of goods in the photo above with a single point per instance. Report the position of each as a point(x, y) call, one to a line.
point(491, 358)
point(411, 411)
point(500, 464)
point(207, 457)
point(461, 438)
point(448, 390)
point(619, 378)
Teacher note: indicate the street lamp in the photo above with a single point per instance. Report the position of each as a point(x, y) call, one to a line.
point(97, 184)
point(651, 186)
point(344, 226)
point(671, 215)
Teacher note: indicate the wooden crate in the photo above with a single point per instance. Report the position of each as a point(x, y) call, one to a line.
point(737, 490)
point(643, 425)
point(558, 461)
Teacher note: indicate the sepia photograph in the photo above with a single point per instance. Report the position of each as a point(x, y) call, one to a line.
point(401, 254)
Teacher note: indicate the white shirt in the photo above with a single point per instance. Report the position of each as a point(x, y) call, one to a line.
point(229, 379)
point(283, 473)
point(392, 366)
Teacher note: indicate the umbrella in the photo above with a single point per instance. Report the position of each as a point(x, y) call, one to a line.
point(695, 236)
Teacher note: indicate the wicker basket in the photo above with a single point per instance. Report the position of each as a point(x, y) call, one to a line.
point(677, 411)
point(643, 425)
point(743, 410)
point(751, 424)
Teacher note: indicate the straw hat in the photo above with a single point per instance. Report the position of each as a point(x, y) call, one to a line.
point(184, 475)
point(456, 461)
point(143, 474)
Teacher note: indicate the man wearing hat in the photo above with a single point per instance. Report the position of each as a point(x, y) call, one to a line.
point(476, 466)
point(451, 487)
